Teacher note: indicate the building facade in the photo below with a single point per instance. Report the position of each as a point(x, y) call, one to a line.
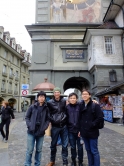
point(14, 64)
point(59, 51)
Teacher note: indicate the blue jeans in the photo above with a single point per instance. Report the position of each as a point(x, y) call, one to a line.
point(31, 139)
point(91, 146)
point(63, 132)
point(75, 140)
point(59, 141)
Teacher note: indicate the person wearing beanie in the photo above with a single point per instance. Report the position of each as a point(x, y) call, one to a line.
point(57, 89)
point(37, 120)
point(57, 108)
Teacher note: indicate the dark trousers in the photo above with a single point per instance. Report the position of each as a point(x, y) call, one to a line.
point(75, 140)
point(91, 146)
point(63, 132)
point(6, 123)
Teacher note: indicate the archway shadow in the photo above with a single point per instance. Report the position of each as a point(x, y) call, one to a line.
point(79, 83)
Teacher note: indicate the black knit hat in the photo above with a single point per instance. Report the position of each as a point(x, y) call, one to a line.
point(41, 93)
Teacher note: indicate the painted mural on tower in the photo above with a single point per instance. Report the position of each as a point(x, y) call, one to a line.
point(75, 11)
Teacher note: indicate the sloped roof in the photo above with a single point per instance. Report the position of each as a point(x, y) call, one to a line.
point(109, 25)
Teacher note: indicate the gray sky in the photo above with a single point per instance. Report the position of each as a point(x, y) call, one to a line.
point(14, 15)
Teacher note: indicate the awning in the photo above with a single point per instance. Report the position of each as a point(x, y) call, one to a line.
point(110, 89)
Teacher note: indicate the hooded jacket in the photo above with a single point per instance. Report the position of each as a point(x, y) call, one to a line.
point(31, 117)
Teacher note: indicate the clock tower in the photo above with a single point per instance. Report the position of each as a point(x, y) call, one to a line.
point(70, 11)
point(58, 51)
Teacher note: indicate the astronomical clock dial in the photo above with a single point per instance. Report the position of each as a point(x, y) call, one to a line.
point(78, 4)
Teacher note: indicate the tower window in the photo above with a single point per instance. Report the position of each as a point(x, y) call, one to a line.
point(112, 76)
point(109, 44)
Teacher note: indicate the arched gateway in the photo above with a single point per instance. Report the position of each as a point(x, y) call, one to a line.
point(79, 83)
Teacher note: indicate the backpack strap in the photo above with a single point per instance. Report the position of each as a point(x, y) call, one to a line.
point(93, 107)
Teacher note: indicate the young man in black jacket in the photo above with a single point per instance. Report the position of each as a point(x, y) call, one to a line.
point(73, 113)
point(57, 107)
point(37, 120)
point(89, 131)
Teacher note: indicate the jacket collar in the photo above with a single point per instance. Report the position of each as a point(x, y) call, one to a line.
point(37, 104)
point(57, 100)
point(73, 105)
point(83, 103)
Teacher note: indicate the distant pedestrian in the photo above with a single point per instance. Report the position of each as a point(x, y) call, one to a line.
point(37, 120)
point(6, 114)
point(73, 114)
point(89, 128)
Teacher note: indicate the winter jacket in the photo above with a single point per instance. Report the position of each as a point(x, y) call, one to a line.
point(7, 113)
point(31, 116)
point(73, 113)
point(57, 108)
point(89, 120)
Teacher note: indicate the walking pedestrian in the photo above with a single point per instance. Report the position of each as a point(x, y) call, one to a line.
point(6, 115)
point(58, 118)
point(37, 120)
point(73, 113)
point(89, 128)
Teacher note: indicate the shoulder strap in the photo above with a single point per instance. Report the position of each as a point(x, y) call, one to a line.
point(93, 107)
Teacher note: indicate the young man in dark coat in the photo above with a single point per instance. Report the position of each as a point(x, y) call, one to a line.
point(37, 120)
point(89, 128)
point(57, 107)
point(73, 113)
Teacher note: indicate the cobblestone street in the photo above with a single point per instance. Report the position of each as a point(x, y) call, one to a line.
point(111, 147)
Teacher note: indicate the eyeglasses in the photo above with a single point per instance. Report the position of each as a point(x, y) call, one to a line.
point(85, 94)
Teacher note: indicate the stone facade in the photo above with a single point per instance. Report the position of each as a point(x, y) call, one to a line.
point(55, 46)
point(14, 63)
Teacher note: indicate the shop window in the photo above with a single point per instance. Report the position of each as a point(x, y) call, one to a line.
point(109, 44)
point(112, 76)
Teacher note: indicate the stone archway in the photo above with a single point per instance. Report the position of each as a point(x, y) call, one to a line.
point(79, 83)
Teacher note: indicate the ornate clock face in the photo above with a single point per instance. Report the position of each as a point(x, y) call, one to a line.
point(75, 11)
point(76, 1)
point(79, 4)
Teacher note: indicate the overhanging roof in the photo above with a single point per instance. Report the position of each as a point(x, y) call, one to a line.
point(113, 10)
point(110, 89)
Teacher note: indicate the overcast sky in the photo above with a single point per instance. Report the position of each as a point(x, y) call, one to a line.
point(14, 15)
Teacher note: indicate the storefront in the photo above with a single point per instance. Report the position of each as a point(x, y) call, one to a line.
point(112, 103)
